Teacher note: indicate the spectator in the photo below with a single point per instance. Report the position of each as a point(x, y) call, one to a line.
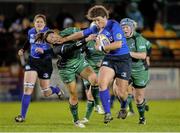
point(2, 23)
point(134, 13)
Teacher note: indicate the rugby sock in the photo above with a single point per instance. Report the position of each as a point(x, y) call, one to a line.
point(95, 93)
point(55, 89)
point(26, 99)
point(141, 108)
point(112, 100)
point(74, 111)
point(105, 99)
point(89, 108)
point(129, 100)
point(122, 102)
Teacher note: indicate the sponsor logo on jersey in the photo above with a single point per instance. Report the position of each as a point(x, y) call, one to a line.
point(132, 45)
point(32, 39)
point(142, 47)
point(32, 35)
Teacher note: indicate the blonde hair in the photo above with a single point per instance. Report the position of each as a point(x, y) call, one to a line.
point(97, 10)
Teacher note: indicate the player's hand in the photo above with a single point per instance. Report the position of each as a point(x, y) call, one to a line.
point(21, 52)
point(91, 37)
point(97, 46)
point(39, 50)
point(148, 60)
point(61, 40)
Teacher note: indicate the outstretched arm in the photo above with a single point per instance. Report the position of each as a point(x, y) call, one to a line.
point(63, 49)
point(74, 36)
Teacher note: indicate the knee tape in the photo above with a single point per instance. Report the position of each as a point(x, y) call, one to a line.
point(28, 85)
point(45, 90)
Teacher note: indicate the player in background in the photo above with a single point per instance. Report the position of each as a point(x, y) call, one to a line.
point(94, 58)
point(140, 75)
point(72, 63)
point(117, 62)
point(38, 66)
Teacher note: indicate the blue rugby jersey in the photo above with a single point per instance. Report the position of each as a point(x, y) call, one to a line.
point(113, 32)
point(31, 37)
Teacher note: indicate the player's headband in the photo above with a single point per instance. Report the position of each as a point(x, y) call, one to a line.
point(129, 22)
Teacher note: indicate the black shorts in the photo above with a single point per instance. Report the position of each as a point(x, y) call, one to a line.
point(42, 66)
point(121, 65)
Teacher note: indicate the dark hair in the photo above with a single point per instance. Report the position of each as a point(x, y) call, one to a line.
point(43, 36)
point(46, 35)
point(40, 16)
point(97, 10)
point(39, 37)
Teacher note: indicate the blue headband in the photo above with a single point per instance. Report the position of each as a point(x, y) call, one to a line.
point(127, 21)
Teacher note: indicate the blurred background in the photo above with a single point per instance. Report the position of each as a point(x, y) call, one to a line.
point(158, 21)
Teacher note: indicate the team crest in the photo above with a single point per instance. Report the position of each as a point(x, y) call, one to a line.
point(118, 36)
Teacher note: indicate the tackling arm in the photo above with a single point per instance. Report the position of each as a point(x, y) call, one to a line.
point(65, 48)
point(75, 36)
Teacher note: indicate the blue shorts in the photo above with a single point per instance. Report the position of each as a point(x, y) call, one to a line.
point(42, 66)
point(121, 65)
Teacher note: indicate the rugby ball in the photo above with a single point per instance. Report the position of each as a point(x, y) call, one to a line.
point(103, 40)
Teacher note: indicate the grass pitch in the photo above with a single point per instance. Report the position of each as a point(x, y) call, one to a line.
point(164, 116)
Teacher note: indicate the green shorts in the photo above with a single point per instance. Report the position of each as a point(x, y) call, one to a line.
point(140, 78)
point(68, 72)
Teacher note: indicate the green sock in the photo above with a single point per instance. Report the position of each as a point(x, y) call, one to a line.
point(95, 93)
point(89, 108)
point(74, 111)
point(129, 100)
point(141, 108)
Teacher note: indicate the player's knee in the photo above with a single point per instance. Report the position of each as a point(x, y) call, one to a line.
point(74, 98)
point(139, 99)
point(103, 85)
point(28, 88)
point(93, 79)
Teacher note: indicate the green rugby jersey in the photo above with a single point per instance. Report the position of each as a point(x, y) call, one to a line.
point(137, 43)
point(73, 57)
point(93, 56)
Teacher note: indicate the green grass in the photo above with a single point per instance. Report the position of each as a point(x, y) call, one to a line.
point(164, 116)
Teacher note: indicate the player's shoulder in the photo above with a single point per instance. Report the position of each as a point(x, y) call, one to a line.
point(113, 22)
point(140, 38)
point(32, 31)
point(72, 29)
point(69, 31)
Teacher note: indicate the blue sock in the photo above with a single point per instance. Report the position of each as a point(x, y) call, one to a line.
point(105, 99)
point(112, 100)
point(55, 89)
point(26, 99)
point(123, 103)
